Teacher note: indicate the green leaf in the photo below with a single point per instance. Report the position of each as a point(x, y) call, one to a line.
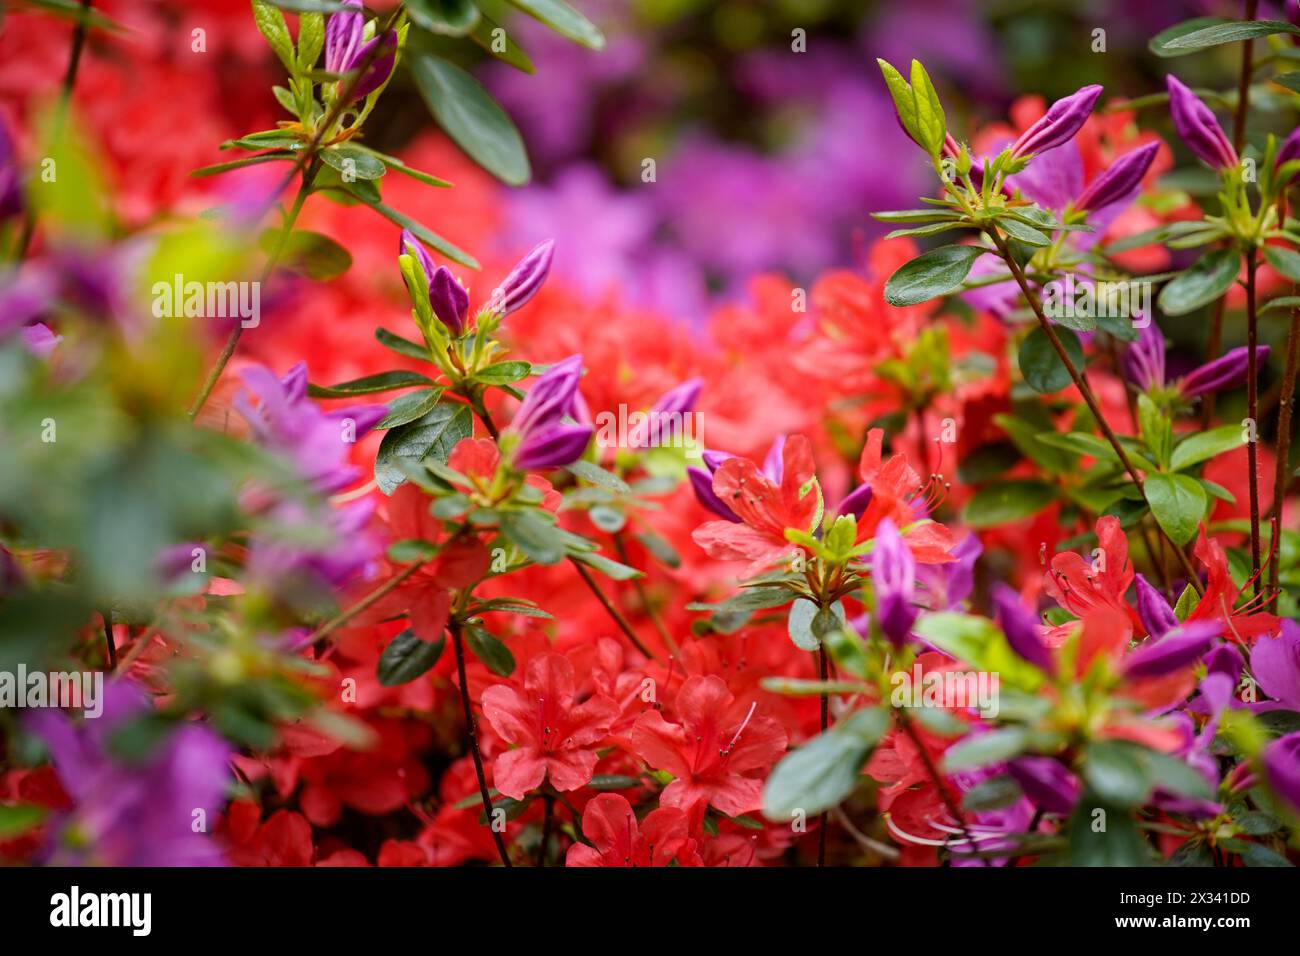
point(930, 120)
point(614, 570)
point(1115, 774)
point(598, 476)
point(1285, 261)
point(369, 384)
point(271, 24)
point(433, 435)
point(502, 373)
point(18, 819)
point(407, 657)
point(826, 770)
point(1157, 430)
point(1118, 843)
point(218, 168)
point(409, 407)
point(564, 20)
point(993, 793)
point(982, 749)
point(532, 534)
point(310, 254)
point(1207, 279)
point(799, 625)
point(490, 651)
point(1202, 446)
point(1159, 43)
point(500, 45)
point(1041, 367)
point(1229, 32)
point(311, 39)
point(1178, 503)
point(453, 18)
point(1026, 234)
point(401, 346)
point(472, 118)
point(930, 275)
point(1007, 501)
point(423, 233)
point(351, 160)
point(1288, 302)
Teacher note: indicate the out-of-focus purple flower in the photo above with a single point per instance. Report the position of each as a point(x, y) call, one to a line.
point(1144, 360)
point(855, 502)
point(545, 439)
point(702, 484)
point(1153, 610)
point(1281, 760)
point(946, 585)
point(1227, 371)
point(1059, 124)
point(1275, 662)
point(1047, 783)
point(667, 416)
point(40, 339)
point(1021, 628)
point(346, 49)
point(525, 279)
point(680, 399)
point(1121, 180)
point(11, 193)
point(141, 814)
point(1175, 650)
point(1227, 660)
point(1289, 150)
point(893, 577)
point(1197, 127)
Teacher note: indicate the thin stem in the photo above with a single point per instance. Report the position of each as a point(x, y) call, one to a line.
point(620, 547)
point(1281, 477)
point(328, 628)
point(471, 732)
point(1243, 84)
point(823, 672)
point(1086, 391)
point(610, 609)
point(1252, 403)
point(107, 615)
point(232, 341)
point(548, 815)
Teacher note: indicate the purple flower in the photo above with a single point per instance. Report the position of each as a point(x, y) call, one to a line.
point(947, 585)
point(1226, 659)
point(1174, 651)
point(141, 814)
point(447, 297)
point(1197, 127)
point(1047, 783)
point(346, 49)
point(1281, 761)
point(1227, 371)
point(1153, 610)
point(1144, 360)
point(1275, 662)
point(856, 501)
point(1288, 151)
point(525, 279)
point(11, 193)
point(1059, 124)
point(893, 576)
point(667, 416)
point(1021, 628)
point(545, 439)
point(1121, 180)
point(702, 484)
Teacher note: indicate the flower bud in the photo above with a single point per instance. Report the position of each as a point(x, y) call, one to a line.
point(893, 575)
point(1227, 371)
point(1198, 128)
point(1153, 610)
point(1058, 125)
point(1021, 628)
point(1176, 650)
point(524, 280)
point(1119, 181)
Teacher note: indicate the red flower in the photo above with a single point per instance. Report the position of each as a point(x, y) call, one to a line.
point(609, 823)
point(894, 488)
point(1081, 586)
point(711, 749)
point(766, 507)
point(554, 736)
point(1243, 624)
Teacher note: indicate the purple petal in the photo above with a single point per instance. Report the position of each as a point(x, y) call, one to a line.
point(1275, 662)
point(702, 485)
point(1021, 628)
point(1154, 611)
point(1197, 127)
point(1227, 371)
point(1059, 124)
point(1174, 651)
point(1047, 783)
point(553, 446)
point(1119, 181)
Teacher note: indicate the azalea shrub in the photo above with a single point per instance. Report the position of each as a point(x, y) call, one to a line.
point(346, 522)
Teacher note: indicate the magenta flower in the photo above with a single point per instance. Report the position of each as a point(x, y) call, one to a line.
point(1047, 783)
point(525, 279)
point(1174, 651)
point(702, 484)
point(1281, 761)
point(893, 575)
point(11, 193)
point(1275, 662)
point(447, 297)
point(1059, 124)
point(1197, 127)
point(1153, 610)
point(1120, 181)
point(1144, 366)
point(546, 440)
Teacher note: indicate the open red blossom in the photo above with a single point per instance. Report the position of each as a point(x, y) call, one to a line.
point(609, 823)
point(711, 748)
point(897, 493)
point(765, 507)
point(1082, 586)
point(1242, 624)
point(555, 736)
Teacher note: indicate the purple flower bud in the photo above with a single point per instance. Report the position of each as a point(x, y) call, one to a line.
point(1281, 761)
point(1047, 783)
point(551, 398)
point(1120, 181)
point(1227, 660)
point(553, 446)
point(774, 462)
point(1289, 150)
point(447, 297)
point(856, 501)
point(668, 415)
point(11, 194)
point(1174, 651)
point(1021, 628)
point(702, 485)
point(1144, 360)
point(714, 459)
point(1275, 662)
point(893, 575)
point(1153, 610)
point(1059, 124)
point(1197, 127)
point(1227, 371)
point(524, 279)
point(680, 400)
point(346, 49)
